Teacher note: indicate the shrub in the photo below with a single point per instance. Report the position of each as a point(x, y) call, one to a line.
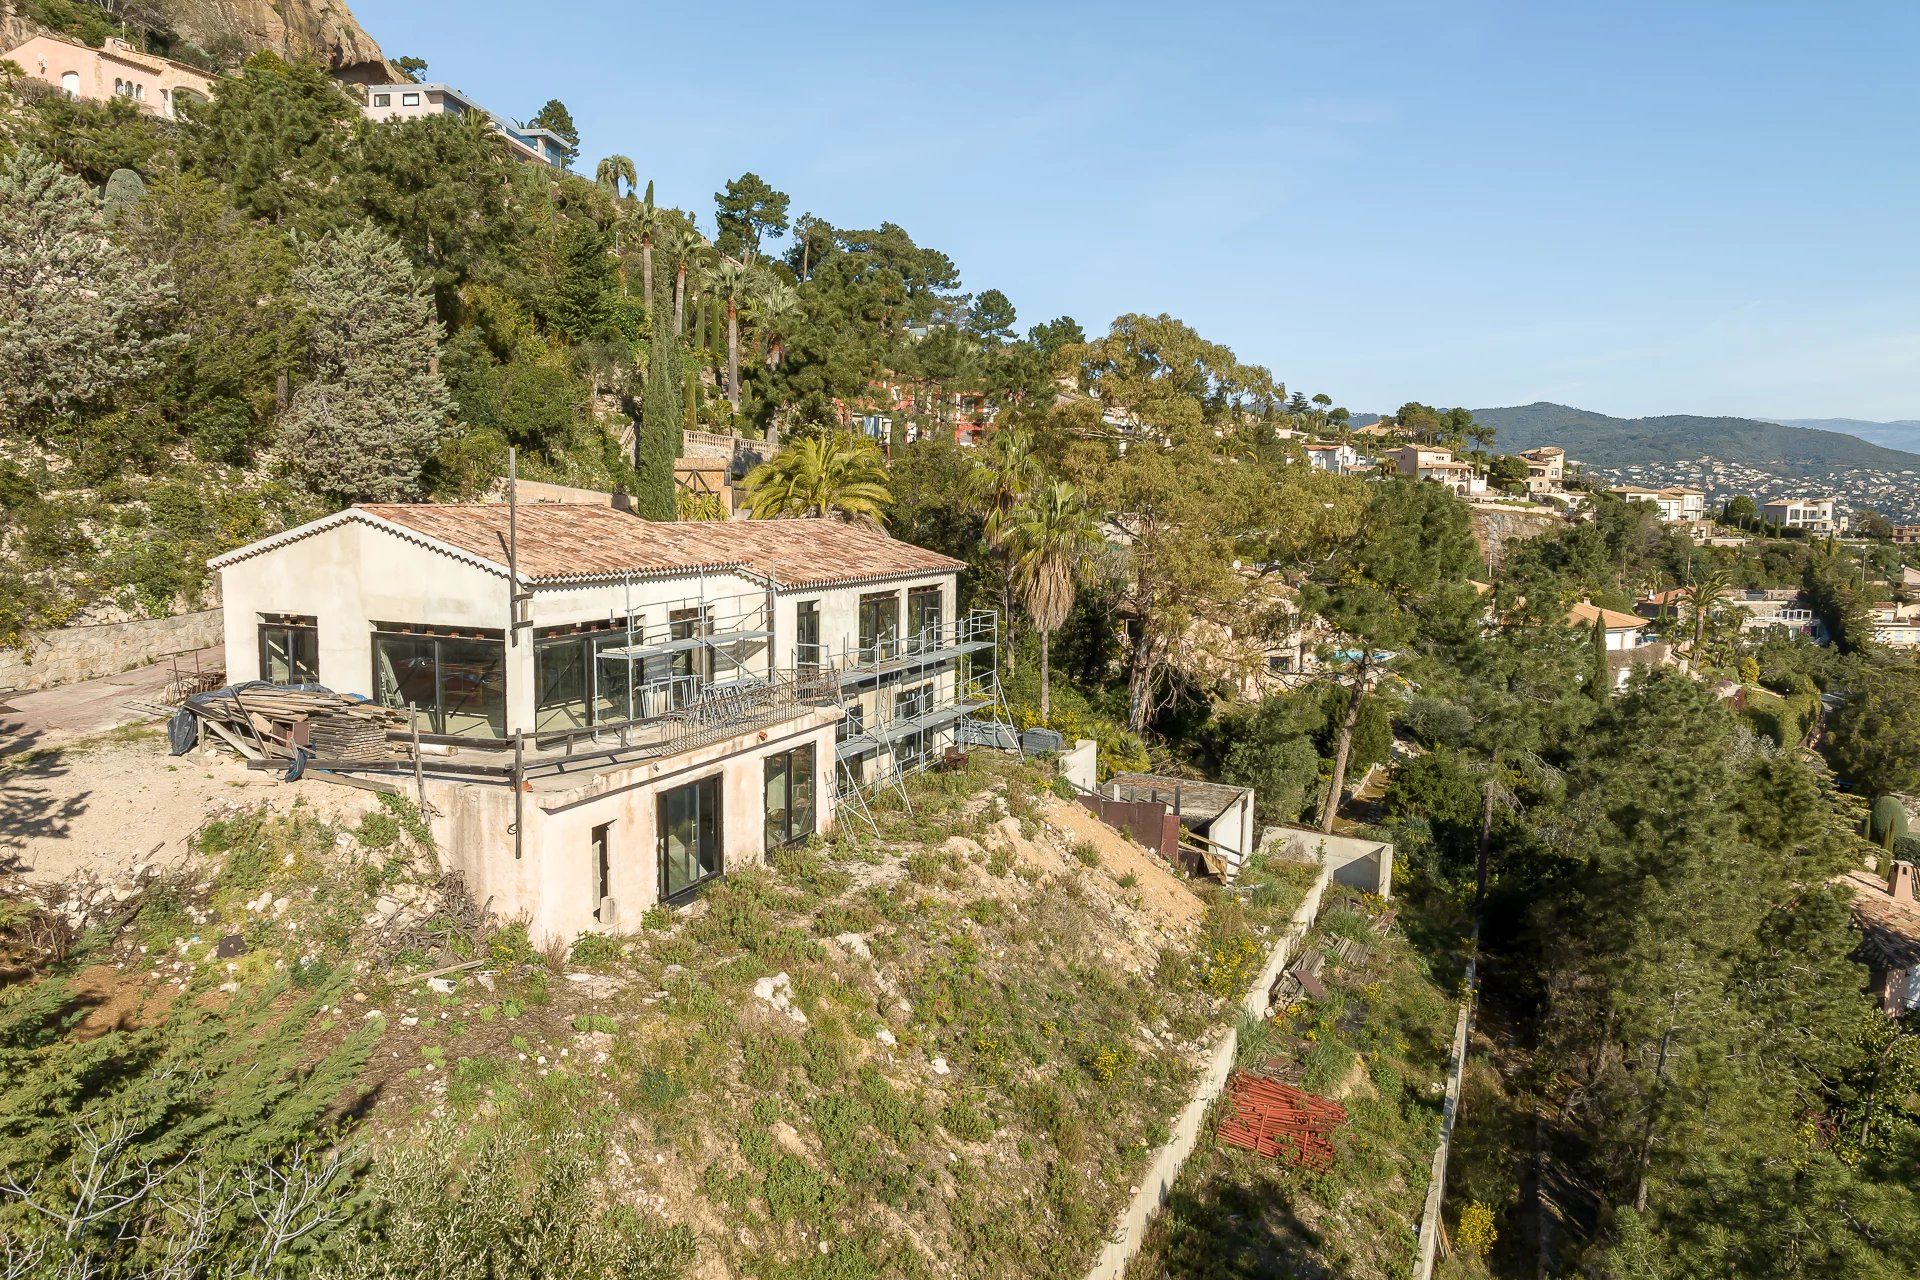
point(1887, 822)
point(1086, 854)
point(597, 950)
point(1475, 1234)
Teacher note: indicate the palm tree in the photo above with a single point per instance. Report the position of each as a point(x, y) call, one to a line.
point(613, 171)
point(837, 474)
point(1049, 536)
point(1002, 474)
point(733, 282)
point(683, 244)
point(648, 220)
point(1709, 587)
point(773, 311)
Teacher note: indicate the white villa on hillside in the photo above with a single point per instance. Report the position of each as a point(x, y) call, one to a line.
point(1815, 515)
point(411, 101)
point(1676, 504)
point(617, 710)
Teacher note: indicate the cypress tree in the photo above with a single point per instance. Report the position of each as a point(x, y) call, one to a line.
point(1600, 679)
point(656, 444)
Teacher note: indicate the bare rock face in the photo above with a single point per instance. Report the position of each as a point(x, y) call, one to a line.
point(325, 30)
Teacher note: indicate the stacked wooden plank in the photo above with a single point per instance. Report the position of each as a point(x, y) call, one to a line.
point(265, 723)
point(1279, 1120)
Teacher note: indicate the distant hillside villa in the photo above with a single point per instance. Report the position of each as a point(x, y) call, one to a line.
point(386, 102)
point(1677, 505)
point(1546, 468)
point(1815, 515)
point(115, 70)
point(1425, 462)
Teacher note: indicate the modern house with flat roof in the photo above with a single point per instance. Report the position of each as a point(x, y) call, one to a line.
point(1815, 515)
point(386, 102)
point(115, 70)
point(610, 710)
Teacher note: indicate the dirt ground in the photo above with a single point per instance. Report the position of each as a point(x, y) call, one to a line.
point(103, 805)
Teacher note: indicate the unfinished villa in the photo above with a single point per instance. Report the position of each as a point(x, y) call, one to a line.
point(597, 712)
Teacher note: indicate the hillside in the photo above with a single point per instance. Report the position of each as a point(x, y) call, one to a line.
point(1901, 433)
point(1606, 442)
point(220, 32)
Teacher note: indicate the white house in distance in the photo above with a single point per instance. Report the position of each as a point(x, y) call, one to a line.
point(411, 101)
point(115, 70)
point(1337, 458)
point(1676, 504)
point(654, 704)
point(1426, 462)
point(1815, 515)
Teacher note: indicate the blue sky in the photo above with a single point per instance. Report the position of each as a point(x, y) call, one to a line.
point(1632, 207)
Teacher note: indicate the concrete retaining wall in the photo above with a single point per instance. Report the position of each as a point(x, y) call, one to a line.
point(54, 658)
point(1437, 1187)
point(1157, 1182)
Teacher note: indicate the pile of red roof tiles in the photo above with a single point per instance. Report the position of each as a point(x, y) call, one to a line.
point(1276, 1119)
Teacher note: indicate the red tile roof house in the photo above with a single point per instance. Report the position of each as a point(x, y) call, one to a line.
point(1888, 918)
point(683, 697)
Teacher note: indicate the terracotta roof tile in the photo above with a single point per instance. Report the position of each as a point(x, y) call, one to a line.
point(561, 541)
point(1583, 614)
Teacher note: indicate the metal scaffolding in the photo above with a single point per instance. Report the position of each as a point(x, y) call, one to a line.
point(898, 736)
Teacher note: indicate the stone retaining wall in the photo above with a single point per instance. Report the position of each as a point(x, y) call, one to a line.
point(54, 658)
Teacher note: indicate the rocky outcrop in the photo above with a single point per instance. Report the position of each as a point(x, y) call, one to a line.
point(322, 29)
point(1497, 526)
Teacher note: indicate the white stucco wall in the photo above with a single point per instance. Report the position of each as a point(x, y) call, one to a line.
point(552, 881)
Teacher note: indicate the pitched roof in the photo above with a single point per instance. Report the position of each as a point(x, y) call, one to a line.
point(574, 542)
point(1583, 614)
point(1891, 926)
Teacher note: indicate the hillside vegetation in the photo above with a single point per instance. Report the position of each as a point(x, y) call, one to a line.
point(1602, 441)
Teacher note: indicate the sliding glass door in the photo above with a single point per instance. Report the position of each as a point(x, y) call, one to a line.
point(689, 837)
point(789, 804)
point(459, 684)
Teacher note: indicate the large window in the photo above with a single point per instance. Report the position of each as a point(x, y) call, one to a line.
point(696, 659)
point(879, 624)
point(923, 618)
point(457, 682)
point(909, 705)
point(806, 636)
point(289, 649)
point(382, 99)
point(790, 796)
point(575, 686)
point(689, 837)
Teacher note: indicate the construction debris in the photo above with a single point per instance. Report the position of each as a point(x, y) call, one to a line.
point(276, 722)
point(1276, 1119)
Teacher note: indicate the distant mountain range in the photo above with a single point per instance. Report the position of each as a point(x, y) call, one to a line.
point(1787, 450)
point(1902, 433)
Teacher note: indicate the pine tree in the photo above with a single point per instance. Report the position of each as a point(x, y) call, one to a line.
point(376, 408)
point(79, 315)
point(656, 445)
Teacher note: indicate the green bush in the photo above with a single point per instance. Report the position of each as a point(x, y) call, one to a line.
point(1887, 821)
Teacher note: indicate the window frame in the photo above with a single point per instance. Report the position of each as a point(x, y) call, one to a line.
point(798, 764)
point(438, 637)
point(879, 644)
point(287, 625)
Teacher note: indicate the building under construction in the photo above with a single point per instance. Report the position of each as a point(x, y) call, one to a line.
point(600, 712)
